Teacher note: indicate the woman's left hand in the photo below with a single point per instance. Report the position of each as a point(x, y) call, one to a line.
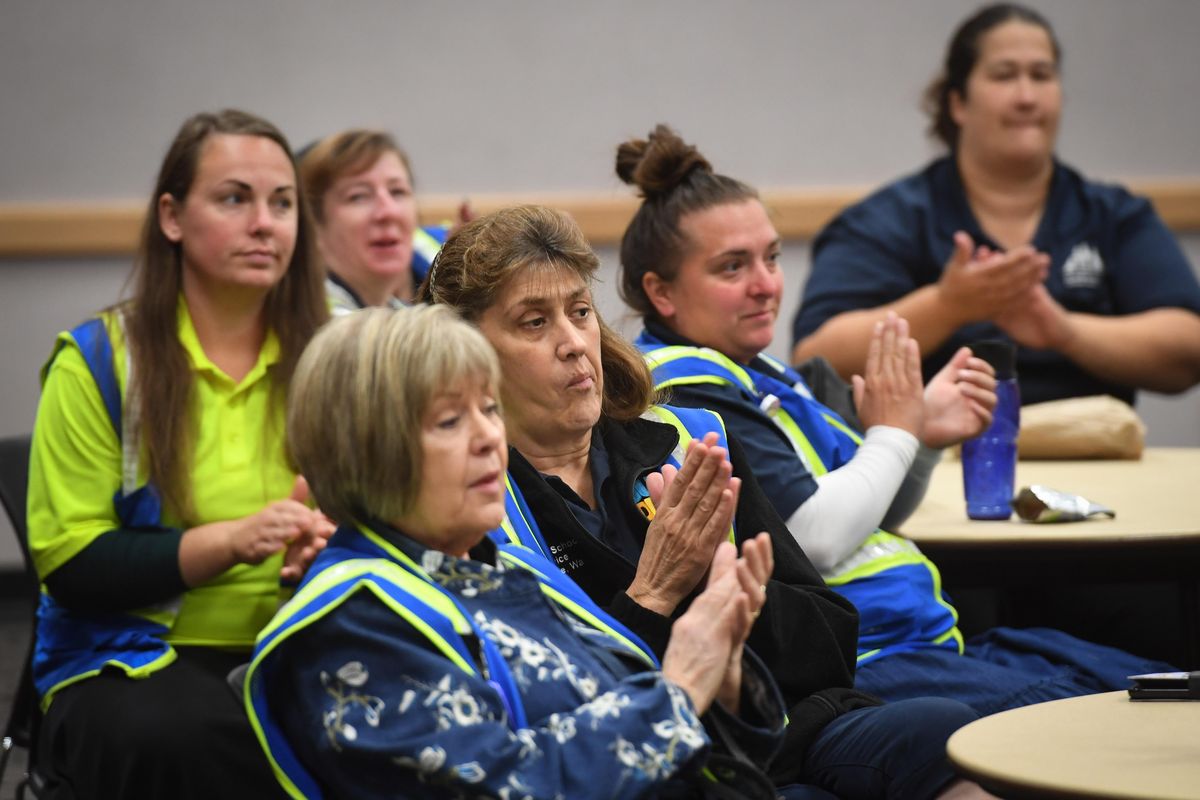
point(959, 400)
point(753, 569)
point(1037, 321)
point(694, 509)
point(301, 551)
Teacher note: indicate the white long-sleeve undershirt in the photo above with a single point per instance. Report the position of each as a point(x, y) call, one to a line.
point(885, 480)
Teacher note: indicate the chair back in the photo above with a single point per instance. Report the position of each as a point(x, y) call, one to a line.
point(14, 480)
point(21, 727)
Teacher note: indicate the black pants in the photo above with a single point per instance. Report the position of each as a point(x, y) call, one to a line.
point(180, 733)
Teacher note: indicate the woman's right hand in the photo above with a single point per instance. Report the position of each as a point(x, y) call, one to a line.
point(890, 390)
point(255, 538)
point(714, 626)
point(979, 283)
point(693, 511)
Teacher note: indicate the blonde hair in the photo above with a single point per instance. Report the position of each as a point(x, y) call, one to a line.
point(359, 397)
point(482, 256)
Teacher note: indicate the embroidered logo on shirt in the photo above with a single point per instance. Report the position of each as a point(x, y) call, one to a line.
point(564, 559)
point(1084, 267)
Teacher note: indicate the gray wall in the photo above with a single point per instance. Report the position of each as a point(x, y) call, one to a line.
point(533, 95)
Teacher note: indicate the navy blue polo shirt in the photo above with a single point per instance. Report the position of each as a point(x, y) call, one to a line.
point(1110, 255)
point(614, 529)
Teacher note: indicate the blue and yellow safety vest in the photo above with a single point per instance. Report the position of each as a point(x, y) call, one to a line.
point(361, 559)
point(519, 526)
point(427, 243)
point(896, 589)
point(73, 644)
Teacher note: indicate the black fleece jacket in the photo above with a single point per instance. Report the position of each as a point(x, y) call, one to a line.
point(807, 633)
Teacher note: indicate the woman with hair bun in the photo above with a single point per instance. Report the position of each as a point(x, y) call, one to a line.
point(999, 239)
point(700, 262)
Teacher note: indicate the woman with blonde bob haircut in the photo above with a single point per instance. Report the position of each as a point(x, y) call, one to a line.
point(462, 665)
point(357, 462)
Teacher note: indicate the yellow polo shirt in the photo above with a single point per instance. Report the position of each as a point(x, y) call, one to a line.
point(238, 468)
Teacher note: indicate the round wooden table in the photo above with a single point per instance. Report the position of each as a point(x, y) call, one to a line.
point(1102, 745)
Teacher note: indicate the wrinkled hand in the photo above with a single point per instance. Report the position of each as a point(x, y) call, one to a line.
point(979, 284)
point(1037, 321)
point(889, 391)
point(259, 536)
point(959, 400)
point(698, 653)
point(693, 511)
point(754, 569)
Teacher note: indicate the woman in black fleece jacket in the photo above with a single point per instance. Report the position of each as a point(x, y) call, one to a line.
point(584, 458)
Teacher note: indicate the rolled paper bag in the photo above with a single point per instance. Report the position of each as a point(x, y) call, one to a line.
point(1043, 504)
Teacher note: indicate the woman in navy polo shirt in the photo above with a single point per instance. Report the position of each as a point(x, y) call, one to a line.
point(998, 238)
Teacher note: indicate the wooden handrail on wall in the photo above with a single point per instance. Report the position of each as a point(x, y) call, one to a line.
point(73, 230)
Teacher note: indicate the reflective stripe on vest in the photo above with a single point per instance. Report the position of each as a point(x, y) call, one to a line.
point(363, 559)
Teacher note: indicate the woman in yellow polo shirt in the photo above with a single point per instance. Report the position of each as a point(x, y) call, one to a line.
point(163, 514)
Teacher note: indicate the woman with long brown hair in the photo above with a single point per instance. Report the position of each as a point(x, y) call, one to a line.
point(163, 513)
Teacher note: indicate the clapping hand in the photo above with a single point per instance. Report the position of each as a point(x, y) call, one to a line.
point(889, 392)
point(959, 400)
point(705, 652)
point(693, 511)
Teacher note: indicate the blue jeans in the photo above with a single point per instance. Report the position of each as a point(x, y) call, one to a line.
point(1005, 668)
point(896, 750)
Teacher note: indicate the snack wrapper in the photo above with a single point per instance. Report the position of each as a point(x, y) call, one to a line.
point(1042, 504)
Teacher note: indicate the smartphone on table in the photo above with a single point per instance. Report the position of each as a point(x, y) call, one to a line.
point(1165, 686)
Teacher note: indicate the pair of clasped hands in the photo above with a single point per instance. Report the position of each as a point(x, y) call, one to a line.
point(288, 525)
point(687, 546)
point(1006, 288)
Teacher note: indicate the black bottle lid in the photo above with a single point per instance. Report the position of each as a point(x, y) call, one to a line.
point(1001, 354)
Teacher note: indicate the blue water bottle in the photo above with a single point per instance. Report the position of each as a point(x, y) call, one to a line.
point(989, 461)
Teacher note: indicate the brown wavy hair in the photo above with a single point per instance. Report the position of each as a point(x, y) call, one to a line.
point(961, 56)
point(162, 377)
point(673, 180)
point(482, 256)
